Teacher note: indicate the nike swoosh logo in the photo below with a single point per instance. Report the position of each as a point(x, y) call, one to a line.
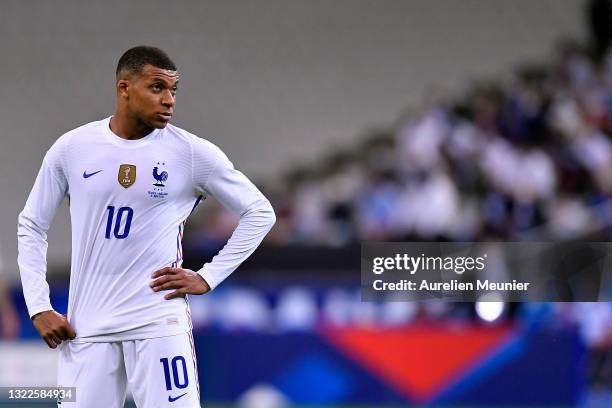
point(170, 399)
point(85, 175)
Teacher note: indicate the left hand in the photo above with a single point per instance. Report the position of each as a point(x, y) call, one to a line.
point(184, 281)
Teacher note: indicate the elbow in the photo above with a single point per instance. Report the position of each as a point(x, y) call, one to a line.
point(22, 224)
point(271, 216)
point(267, 214)
point(27, 226)
point(260, 215)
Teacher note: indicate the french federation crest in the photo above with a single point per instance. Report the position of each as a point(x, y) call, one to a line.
point(127, 175)
point(160, 176)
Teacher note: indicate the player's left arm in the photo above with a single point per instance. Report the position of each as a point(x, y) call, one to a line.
point(237, 193)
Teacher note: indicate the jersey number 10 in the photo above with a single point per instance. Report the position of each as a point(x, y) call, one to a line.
point(118, 220)
point(176, 373)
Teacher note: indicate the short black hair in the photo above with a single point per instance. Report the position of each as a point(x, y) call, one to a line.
point(135, 58)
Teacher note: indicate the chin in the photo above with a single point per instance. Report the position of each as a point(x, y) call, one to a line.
point(158, 124)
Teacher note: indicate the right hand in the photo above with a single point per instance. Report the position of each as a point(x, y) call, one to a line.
point(53, 327)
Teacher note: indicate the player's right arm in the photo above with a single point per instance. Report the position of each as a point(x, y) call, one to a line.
point(50, 188)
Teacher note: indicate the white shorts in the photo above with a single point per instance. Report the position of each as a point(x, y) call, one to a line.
point(161, 372)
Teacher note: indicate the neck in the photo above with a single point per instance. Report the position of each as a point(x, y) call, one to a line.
point(128, 126)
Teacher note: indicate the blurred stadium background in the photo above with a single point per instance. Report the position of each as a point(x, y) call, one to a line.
point(362, 121)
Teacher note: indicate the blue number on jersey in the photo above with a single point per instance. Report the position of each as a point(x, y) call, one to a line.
point(175, 372)
point(111, 218)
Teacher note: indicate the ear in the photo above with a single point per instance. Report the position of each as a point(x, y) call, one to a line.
point(122, 88)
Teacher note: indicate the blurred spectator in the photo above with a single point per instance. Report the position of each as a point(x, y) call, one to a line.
point(9, 321)
point(529, 158)
point(600, 19)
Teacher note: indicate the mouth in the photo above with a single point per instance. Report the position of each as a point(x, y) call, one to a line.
point(164, 117)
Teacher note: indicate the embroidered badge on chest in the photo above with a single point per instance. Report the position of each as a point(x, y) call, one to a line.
point(160, 176)
point(127, 175)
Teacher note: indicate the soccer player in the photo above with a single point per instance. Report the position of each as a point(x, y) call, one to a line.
point(132, 180)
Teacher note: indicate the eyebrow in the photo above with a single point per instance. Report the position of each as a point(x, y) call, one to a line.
point(163, 80)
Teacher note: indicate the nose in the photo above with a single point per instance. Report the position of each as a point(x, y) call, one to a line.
point(168, 100)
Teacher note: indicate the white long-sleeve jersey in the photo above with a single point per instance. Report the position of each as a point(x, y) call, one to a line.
point(129, 200)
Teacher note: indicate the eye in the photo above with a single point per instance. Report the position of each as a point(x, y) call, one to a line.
point(174, 90)
point(156, 87)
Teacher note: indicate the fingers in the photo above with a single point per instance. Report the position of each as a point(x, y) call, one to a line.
point(52, 340)
point(177, 293)
point(54, 337)
point(53, 328)
point(183, 280)
point(169, 280)
point(165, 280)
point(165, 271)
point(70, 333)
point(175, 284)
point(162, 280)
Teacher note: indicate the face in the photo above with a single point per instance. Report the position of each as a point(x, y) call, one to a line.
point(150, 95)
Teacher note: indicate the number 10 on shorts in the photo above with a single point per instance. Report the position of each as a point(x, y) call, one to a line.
point(176, 372)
